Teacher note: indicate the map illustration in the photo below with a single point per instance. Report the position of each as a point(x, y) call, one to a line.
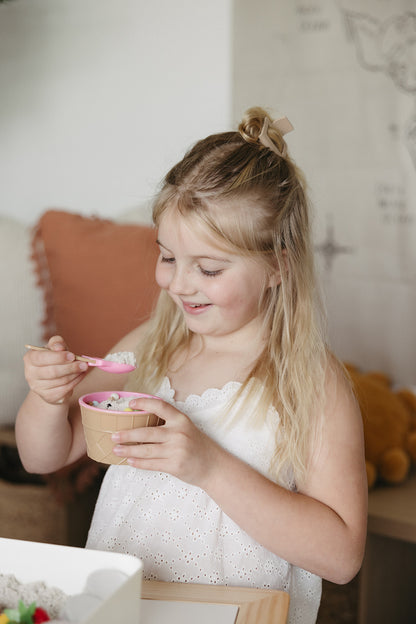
point(389, 46)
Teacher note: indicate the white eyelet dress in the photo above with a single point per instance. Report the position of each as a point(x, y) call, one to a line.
point(180, 533)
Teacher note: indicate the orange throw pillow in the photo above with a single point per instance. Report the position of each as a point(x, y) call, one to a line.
point(97, 277)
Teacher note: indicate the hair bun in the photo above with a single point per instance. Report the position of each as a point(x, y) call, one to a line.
point(258, 126)
point(252, 124)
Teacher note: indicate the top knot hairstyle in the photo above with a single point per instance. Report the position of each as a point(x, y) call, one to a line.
point(254, 150)
point(270, 134)
point(233, 168)
point(245, 190)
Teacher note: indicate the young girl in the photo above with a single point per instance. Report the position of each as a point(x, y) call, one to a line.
point(257, 477)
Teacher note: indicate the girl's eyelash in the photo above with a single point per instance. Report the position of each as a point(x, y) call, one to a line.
point(203, 271)
point(210, 273)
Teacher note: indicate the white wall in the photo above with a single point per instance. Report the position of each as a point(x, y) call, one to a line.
point(100, 98)
point(343, 72)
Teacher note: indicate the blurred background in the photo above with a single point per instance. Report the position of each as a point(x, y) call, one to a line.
point(100, 98)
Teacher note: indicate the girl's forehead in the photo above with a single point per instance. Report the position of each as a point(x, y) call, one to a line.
point(174, 225)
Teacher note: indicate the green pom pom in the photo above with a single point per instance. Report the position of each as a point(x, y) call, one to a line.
point(21, 615)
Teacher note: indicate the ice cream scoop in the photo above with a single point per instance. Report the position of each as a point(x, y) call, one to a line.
point(108, 366)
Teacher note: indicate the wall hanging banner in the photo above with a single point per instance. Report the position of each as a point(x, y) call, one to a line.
point(345, 74)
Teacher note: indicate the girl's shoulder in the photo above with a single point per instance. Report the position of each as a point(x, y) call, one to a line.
point(338, 385)
point(340, 413)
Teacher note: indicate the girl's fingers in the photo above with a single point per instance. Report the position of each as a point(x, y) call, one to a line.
point(62, 371)
point(47, 365)
point(55, 382)
point(140, 451)
point(177, 447)
point(150, 456)
point(57, 394)
point(142, 435)
point(53, 373)
point(157, 464)
point(156, 406)
point(174, 423)
point(57, 343)
point(47, 358)
point(143, 448)
point(42, 385)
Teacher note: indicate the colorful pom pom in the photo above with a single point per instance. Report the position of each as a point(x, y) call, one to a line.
point(40, 615)
point(24, 615)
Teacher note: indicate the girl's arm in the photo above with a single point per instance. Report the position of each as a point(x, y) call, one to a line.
point(49, 431)
point(320, 528)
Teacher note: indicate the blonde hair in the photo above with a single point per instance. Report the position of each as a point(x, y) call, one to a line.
point(253, 199)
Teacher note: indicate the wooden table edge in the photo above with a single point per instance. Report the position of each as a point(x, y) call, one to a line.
point(265, 605)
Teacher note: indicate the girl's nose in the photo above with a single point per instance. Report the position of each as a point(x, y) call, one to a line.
point(181, 282)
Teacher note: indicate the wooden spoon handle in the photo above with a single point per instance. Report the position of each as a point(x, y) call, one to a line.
point(77, 357)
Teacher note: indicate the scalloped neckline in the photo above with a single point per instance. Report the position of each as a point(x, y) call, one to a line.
point(229, 388)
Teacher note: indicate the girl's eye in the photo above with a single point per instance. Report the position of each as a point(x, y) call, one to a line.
point(210, 273)
point(164, 259)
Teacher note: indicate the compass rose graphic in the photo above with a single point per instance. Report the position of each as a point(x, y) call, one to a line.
point(329, 248)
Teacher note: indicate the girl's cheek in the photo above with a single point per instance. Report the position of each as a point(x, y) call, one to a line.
point(162, 276)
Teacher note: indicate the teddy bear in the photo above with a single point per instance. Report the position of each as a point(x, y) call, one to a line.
point(389, 421)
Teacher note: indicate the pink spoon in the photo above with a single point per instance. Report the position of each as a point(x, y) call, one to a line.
point(106, 365)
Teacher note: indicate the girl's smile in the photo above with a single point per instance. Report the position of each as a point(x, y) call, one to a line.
point(195, 308)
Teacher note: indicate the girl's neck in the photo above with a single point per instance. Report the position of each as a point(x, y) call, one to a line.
point(211, 363)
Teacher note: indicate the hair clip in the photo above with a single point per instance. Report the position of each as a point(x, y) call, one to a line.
point(283, 126)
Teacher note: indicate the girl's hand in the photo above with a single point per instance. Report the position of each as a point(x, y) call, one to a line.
point(176, 447)
point(53, 374)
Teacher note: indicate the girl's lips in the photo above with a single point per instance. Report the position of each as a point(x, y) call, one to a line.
point(195, 308)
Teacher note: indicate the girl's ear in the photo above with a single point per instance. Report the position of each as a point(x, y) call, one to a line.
point(275, 277)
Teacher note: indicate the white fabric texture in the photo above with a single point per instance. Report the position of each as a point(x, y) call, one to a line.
point(180, 533)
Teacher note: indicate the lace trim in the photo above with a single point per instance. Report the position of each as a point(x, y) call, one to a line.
point(206, 399)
